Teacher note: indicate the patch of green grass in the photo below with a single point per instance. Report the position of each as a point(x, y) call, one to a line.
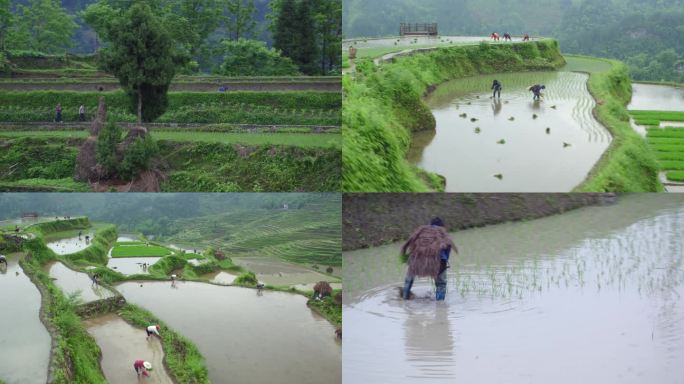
point(586, 64)
point(46, 185)
point(181, 356)
point(675, 175)
point(139, 251)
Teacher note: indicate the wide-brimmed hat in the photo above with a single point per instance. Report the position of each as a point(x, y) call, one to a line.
point(147, 365)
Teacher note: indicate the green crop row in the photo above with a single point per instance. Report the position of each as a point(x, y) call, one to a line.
point(139, 251)
point(118, 99)
point(666, 132)
point(200, 114)
point(657, 115)
point(676, 176)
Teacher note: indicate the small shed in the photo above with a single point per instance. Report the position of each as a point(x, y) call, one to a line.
point(418, 29)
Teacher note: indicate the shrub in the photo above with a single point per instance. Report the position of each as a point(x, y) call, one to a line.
point(107, 141)
point(137, 157)
point(247, 278)
point(253, 58)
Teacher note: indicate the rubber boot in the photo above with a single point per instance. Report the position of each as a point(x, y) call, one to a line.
point(406, 293)
point(440, 293)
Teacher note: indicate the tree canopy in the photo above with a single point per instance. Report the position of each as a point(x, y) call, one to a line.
point(142, 55)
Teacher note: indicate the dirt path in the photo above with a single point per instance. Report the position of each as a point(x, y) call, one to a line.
point(121, 345)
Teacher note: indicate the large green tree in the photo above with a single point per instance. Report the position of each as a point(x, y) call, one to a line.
point(42, 25)
point(240, 21)
point(253, 58)
point(328, 18)
point(142, 55)
point(5, 22)
point(294, 33)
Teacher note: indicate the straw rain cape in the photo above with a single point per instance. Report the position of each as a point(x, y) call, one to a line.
point(424, 247)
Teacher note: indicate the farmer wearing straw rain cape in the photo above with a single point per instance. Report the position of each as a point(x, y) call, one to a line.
point(427, 252)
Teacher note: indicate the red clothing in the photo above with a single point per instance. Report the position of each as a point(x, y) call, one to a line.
point(140, 367)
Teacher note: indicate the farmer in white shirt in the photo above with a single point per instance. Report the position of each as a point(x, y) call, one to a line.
point(153, 330)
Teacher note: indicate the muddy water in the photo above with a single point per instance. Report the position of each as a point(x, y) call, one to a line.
point(473, 157)
point(272, 338)
point(70, 282)
point(220, 277)
point(597, 294)
point(124, 238)
point(131, 265)
point(121, 344)
point(656, 98)
point(69, 245)
point(276, 272)
point(24, 341)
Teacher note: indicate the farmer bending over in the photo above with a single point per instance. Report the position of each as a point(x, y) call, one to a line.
point(428, 251)
point(141, 367)
point(153, 330)
point(536, 89)
point(496, 86)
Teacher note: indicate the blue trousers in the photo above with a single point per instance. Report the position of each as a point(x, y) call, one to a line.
point(440, 285)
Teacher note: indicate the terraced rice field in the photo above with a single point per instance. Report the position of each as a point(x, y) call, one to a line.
point(512, 144)
point(139, 250)
point(309, 235)
point(667, 142)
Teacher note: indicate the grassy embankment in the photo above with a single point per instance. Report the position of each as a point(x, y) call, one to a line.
point(666, 143)
point(329, 308)
point(76, 357)
point(47, 163)
point(627, 165)
point(383, 106)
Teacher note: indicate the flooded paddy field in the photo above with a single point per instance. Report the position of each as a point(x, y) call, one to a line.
point(71, 244)
point(657, 113)
point(596, 294)
point(220, 277)
point(513, 144)
point(276, 272)
point(24, 341)
point(71, 282)
point(131, 265)
point(121, 344)
point(656, 97)
point(248, 337)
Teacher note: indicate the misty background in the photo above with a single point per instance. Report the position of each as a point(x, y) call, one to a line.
point(646, 34)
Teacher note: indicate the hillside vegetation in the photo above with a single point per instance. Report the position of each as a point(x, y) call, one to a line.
point(311, 234)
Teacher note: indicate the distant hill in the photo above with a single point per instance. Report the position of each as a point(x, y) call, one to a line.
point(84, 39)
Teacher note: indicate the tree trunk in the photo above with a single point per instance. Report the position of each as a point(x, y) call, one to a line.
point(139, 107)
